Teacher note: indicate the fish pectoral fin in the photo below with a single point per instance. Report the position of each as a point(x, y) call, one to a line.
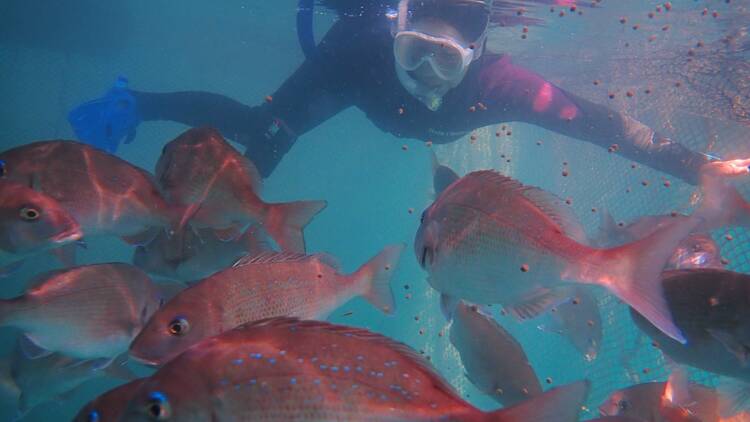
point(733, 346)
point(539, 301)
point(31, 349)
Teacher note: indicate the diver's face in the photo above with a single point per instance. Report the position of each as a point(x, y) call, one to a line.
point(426, 73)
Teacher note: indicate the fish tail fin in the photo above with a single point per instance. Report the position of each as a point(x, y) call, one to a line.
point(286, 221)
point(374, 277)
point(561, 404)
point(608, 231)
point(632, 272)
point(734, 396)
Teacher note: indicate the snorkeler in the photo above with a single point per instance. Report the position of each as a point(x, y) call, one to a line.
point(418, 69)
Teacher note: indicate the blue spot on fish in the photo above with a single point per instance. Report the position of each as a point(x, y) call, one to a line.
point(253, 381)
point(335, 368)
point(239, 361)
point(157, 396)
point(272, 360)
point(323, 367)
point(316, 382)
point(282, 353)
point(346, 369)
point(293, 381)
point(256, 355)
point(93, 415)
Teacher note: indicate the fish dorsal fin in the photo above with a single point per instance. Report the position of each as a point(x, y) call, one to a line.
point(549, 204)
point(270, 258)
point(405, 351)
point(558, 211)
point(273, 257)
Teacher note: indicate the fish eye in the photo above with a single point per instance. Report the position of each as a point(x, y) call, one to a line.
point(93, 416)
point(3, 169)
point(29, 213)
point(179, 326)
point(157, 406)
point(623, 405)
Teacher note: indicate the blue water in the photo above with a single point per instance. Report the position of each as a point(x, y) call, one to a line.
point(245, 49)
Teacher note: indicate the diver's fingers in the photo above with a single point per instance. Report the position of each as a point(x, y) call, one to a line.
point(728, 168)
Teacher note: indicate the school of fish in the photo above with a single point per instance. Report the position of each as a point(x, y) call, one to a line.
point(221, 314)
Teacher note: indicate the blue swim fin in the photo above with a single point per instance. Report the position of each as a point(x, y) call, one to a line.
point(106, 121)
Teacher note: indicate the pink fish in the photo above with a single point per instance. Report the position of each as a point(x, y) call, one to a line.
point(490, 239)
point(284, 369)
point(86, 312)
point(218, 187)
point(672, 401)
point(111, 405)
point(105, 194)
point(262, 286)
point(196, 254)
point(31, 222)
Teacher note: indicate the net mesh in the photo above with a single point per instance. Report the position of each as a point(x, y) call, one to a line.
point(686, 74)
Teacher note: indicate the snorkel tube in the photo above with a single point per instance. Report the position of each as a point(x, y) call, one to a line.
point(305, 34)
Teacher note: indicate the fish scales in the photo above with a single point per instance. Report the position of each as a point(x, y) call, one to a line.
point(286, 369)
point(271, 284)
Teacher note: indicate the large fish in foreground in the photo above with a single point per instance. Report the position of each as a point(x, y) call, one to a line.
point(31, 222)
point(712, 309)
point(268, 285)
point(85, 312)
point(494, 361)
point(219, 189)
point(196, 254)
point(284, 369)
point(577, 318)
point(490, 239)
point(105, 194)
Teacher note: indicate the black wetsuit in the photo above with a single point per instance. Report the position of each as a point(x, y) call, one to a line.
point(355, 67)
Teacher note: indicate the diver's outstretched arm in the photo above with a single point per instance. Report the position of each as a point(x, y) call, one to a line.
point(526, 96)
point(309, 97)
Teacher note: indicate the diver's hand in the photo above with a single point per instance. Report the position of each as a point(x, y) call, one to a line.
point(721, 204)
point(726, 169)
point(104, 122)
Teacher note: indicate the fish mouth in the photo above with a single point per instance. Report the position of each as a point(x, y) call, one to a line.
point(144, 361)
point(427, 255)
point(68, 236)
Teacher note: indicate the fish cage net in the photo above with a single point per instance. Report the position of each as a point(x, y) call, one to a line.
point(692, 86)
